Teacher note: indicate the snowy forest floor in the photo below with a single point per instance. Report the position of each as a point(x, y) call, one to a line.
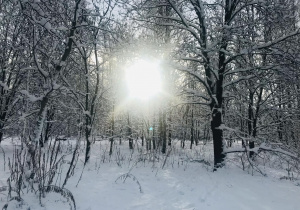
point(183, 179)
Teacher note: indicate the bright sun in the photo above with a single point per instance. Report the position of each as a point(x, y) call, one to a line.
point(143, 79)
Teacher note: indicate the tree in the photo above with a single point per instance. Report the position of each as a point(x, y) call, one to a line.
point(12, 68)
point(211, 39)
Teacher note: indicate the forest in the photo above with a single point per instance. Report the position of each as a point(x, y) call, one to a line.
point(151, 96)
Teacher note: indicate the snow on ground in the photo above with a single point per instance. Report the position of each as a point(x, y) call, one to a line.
point(181, 184)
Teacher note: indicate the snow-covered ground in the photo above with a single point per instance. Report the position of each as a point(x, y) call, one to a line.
point(139, 181)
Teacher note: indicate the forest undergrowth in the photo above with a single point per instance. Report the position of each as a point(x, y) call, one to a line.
point(60, 161)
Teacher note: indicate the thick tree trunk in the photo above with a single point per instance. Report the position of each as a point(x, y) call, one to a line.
point(217, 138)
point(148, 143)
point(112, 130)
point(182, 143)
point(216, 121)
point(164, 133)
point(253, 117)
point(184, 134)
point(130, 143)
point(48, 128)
point(169, 133)
point(5, 104)
point(217, 103)
point(111, 140)
point(153, 139)
point(250, 122)
point(197, 132)
point(1, 136)
point(2, 119)
point(129, 133)
point(88, 145)
point(192, 129)
point(87, 114)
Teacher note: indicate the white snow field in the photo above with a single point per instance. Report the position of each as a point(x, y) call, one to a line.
point(185, 182)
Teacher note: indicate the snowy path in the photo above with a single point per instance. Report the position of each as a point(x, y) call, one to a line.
point(195, 188)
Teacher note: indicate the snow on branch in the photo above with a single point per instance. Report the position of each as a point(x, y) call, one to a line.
point(196, 93)
point(276, 41)
point(196, 75)
point(262, 147)
point(32, 98)
point(238, 80)
point(269, 44)
point(5, 87)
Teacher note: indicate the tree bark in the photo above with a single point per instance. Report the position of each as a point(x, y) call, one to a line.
point(129, 133)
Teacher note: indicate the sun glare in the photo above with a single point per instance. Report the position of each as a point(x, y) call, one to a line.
point(143, 79)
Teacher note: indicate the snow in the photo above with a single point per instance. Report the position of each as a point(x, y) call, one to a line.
point(32, 98)
point(194, 188)
point(62, 28)
point(4, 86)
point(55, 86)
point(180, 184)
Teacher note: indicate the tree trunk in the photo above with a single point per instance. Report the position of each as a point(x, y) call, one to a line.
point(170, 132)
point(129, 133)
point(112, 131)
point(1, 136)
point(153, 139)
point(217, 138)
point(192, 129)
point(87, 113)
point(148, 143)
point(250, 122)
point(164, 133)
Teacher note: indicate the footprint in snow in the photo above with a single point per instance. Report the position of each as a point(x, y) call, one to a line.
point(181, 193)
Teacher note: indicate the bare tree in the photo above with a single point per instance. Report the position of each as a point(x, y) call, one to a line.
point(210, 40)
